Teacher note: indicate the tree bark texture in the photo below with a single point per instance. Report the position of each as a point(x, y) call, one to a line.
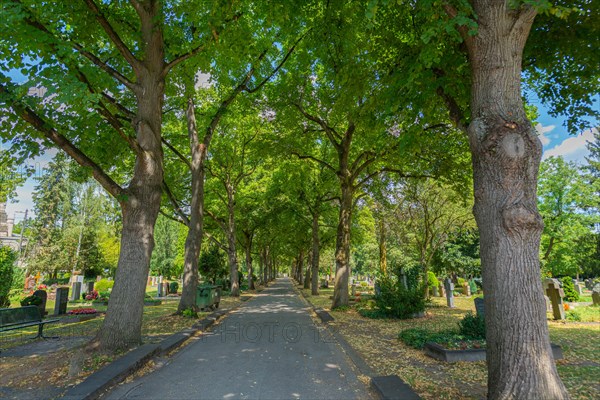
point(122, 326)
point(382, 248)
point(307, 271)
point(248, 249)
point(193, 240)
point(342, 249)
point(314, 290)
point(506, 153)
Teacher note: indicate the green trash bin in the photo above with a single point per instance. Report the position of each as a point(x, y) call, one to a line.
point(208, 296)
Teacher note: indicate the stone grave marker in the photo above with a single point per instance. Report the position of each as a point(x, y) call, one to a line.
point(589, 283)
point(88, 287)
point(596, 294)
point(449, 287)
point(555, 294)
point(435, 291)
point(479, 306)
point(548, 304)
point(75, 291)
point(44, 296)
point(62, 297)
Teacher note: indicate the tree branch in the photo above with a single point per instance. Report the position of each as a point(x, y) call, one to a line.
point(175, 203)
point(398, 172)
point(309, 157)
point(285, 58)
point(176, 152)
point(112, 34)
point(172, 217)
point(28, 115)
point(334, 137)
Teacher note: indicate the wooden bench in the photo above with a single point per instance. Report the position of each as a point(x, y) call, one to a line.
point(23, 317)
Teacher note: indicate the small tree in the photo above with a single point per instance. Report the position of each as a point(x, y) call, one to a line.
point(569, 289)
point(7, 259)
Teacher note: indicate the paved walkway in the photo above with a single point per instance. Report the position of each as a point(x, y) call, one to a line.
point(269, 348)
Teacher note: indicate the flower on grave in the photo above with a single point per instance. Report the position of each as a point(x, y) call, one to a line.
point(42, 287)
point(567, 307)
point(82, 311)
point(92, 296)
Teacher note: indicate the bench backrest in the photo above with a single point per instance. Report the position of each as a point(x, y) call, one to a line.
point(20, 315)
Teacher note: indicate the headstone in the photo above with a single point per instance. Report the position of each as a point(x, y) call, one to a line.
point(555, 294)
point(578, 287)
point(75, 291)
point(449, 287)
point(466, 289)
point(435, 291)
point(62, 297)
point(79, 279)
point(589, 283)
point(548, 304)
point(441, 290)
point(44, 296)
point(29, 283)
point(353, 290)
point(377, 289)
point(88, 287)
point(596, 294)
point(159, 292)
point(479, 306)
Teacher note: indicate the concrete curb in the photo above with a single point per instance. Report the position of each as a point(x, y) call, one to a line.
point(386, 387)
point(117, 371)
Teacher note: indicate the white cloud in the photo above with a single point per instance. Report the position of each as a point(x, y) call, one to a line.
point(542, 130)
point(573, 148)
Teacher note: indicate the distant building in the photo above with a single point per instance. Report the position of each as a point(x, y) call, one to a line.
point(6, 230)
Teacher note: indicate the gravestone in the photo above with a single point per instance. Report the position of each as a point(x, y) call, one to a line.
point(435, 291)
point(548, 304)
point(466, 289)
point(88, 287)
point(377, 289)
point(479, 306)
point(555, 294)
point(62, 297)
point(589, 283)
point(29, 283)
point(449, 287)
point(353, 290)
point(44, 296)
point(441, 290)
point(578, 287)
point(75, 291)
point(596, 294)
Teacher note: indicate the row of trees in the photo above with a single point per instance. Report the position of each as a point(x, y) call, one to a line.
point(361, 90)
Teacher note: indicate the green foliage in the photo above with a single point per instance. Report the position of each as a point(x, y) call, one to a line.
point(32, 300)
point(417, 337)
point(189, 313)
point(212, 264)
point(432, 280)
point(472, 326)
point(103, 285)
point(7, 271)
point(173, 287)
point(395, 301)
point(473, 286)
point(569, 289)
point(166, 236)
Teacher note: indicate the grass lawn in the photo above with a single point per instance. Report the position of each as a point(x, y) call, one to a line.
point(376, 340)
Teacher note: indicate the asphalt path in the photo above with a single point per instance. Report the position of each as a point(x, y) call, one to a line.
point(269, 348)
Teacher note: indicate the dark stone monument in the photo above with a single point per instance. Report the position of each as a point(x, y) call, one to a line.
point(555, 294)
point(479, 306)
point(62, 297)
point(44, 296)
point(163, 289)
point(75, 291)
point(377, 289)
point(88, 287)
point(441, 290)
point(449, 287)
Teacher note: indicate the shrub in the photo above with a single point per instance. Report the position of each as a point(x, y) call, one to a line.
point(7, 259)
point(472, 326)
point(569, 289)
point(432, 280)
point(190, 313)
point(395, 301)
point(82, 311)
point(473, 286)
point(460, 281)
point(31, 301)
point(103, 285)
point(417, 337)
point(173, 287)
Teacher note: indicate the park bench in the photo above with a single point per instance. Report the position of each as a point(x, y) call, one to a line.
point(23, 317)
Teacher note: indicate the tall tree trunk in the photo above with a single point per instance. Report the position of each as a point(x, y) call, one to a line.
point(506, 153)
point(122, 327)
point(193, 240)
point(315, 255)
point(265, 265)
point(249, 259)
point(382, 248)
point(307, 271)
point(300, 267)
point(342, 249)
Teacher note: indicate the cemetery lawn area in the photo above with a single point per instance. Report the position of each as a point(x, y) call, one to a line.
point(377, 341)
point(74, 362)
